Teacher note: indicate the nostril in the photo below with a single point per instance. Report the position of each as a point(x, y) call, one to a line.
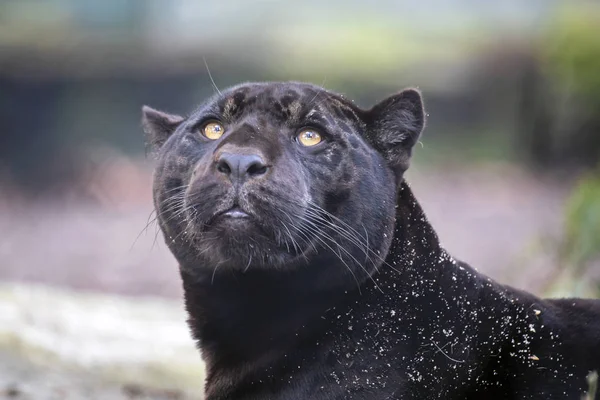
point(256, 169)
point(223, 167)
point(238, 166)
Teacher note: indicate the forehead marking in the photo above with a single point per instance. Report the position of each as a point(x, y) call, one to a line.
point(229, 108)
point(345, 107)
point(294, 110)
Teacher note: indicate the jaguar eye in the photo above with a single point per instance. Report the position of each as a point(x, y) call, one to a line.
point(213, 130)
point(309, 137)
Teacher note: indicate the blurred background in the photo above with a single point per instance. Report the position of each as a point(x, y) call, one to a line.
point(508, 169)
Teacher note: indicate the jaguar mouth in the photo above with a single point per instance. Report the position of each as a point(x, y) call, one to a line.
point(233, 217)
point(236, 235)
point(235, 212)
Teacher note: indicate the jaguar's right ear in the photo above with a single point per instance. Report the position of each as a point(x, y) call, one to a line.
point(158, 126)
point(394, 126)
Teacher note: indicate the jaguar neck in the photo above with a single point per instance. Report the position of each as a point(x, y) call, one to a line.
point(246, 316)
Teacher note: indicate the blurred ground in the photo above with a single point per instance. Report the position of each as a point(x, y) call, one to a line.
point(20, 379)
point(66, 344)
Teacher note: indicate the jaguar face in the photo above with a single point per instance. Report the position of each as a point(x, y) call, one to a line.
point(281, 175)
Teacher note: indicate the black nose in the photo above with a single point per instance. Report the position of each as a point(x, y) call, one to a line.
point(240, 167)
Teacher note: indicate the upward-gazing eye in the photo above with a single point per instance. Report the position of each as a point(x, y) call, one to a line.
point(213, 130)
point(309, 137)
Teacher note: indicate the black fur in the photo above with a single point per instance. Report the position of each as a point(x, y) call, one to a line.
point(334, 286)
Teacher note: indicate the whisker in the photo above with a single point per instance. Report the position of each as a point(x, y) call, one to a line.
point(344, 262)
point(215, 270)
point(310, 103)
point(289, 236)
point(346, 230)
point(344, 223)
point(352, 236)
point(367, 240)
point(344, 233)
point(172, 199)
point(340, 247)
point(322, 235)
point(318, 237)
point(300, 229)
point(144, 229)
point(210, 76)
point(249, 262)
point(383, 261)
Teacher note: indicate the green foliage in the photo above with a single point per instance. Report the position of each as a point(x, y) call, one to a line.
point(571, 50)
point(578, 248)
point(582, 226)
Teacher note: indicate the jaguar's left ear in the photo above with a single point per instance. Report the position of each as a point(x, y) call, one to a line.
point(394, 126)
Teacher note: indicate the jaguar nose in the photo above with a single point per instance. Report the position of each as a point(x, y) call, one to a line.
point(241, 167)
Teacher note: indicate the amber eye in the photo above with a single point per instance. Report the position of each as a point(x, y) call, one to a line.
point(309, 137)
point(213, 130)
